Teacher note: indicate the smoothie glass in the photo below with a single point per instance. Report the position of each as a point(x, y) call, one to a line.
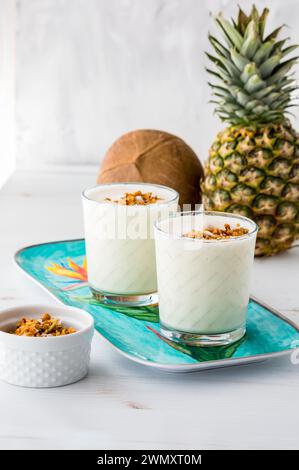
point(203, 284)
point(120, 246)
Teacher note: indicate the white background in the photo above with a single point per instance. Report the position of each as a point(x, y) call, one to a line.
point(90, 70)
point(7, 89)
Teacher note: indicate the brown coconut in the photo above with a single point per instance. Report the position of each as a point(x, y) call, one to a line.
point(152, 156)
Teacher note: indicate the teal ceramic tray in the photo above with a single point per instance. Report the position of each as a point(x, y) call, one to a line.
point(60, 267)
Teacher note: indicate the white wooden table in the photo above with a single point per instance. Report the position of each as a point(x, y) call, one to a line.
point(122, 404)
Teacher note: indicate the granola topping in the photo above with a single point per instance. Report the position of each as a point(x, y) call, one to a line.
point(137, 198)
point(212, 233)
point(47, 326)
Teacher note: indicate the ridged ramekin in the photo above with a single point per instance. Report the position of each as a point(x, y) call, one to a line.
point(50, 361)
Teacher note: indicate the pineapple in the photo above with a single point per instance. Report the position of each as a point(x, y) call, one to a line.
point(253, 165)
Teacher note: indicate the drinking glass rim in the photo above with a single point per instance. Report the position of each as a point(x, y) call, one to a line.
point(101, 185)
point(203, 240)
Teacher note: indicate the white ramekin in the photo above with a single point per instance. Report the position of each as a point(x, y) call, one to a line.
point(45, 361)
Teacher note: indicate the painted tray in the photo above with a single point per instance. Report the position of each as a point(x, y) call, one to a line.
point(60, 267)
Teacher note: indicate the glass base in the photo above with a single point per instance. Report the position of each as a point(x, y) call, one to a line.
point(197, 339)
point(125, 300)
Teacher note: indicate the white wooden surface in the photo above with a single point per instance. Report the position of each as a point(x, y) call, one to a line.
point(124, 405)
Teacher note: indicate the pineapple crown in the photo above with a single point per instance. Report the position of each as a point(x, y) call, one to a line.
point(254, 83)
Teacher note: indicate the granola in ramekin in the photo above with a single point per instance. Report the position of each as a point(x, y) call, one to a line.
point(46, 326)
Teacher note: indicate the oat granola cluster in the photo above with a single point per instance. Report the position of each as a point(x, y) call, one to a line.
point(47, 326)
point(212, 233)
point(137, 198)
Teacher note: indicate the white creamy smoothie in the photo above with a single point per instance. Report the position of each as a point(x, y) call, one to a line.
point(120, 247)
point(204, 283)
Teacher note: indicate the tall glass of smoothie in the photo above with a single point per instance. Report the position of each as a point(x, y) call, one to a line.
point(120, 248)
point(204, 264)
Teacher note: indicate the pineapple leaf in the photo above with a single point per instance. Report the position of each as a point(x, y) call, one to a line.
point(239, 60)
point(249, 70)
point(231, 68)
point(251, 40)
point(234, 24)
point(220, 89)
point(243, 21)
point(216, 61)
point(262, 21)
point(264, 51)
point(222, 74)
point(215, 74)
point(254, 15)
point(252, 104)
point(280, 102)
point(242, 98)
point(261, 109)
point(233, 36)
point(269, 99)
point(255, 83)
point(279, 44)
point(288, 50)
point(274, 33)
point(290, 89)
point(269, 65)
point(286, 81)
point(264, 92)
point(224, 99)
point(281, 70)
point(240, 113)
point(218, 47)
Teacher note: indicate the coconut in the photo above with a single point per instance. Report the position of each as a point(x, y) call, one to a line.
point(152, 156)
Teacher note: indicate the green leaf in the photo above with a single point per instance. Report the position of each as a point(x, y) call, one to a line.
point(243, 21)
point(215, 74)
point(264, 92)
point(233, 70)
point(279, 44)
point(233, 36)
point(281, 71)
point(260, 109)
point(262, 21)
point(242, 98)
point(289, 89)
point(269, 99)
point(249, 70)
point(254, 84)
point(218, 47)
point(225, 76)
point(254, 15)
point(280, 102)
point(239, 60)
point(231, 108)
point(234, 24)
point(269, 65)
point(251, 41)
point(274, 33)
point(202, 354)
point(263, 51)
point(288, 50)
point(240, 113)
point(150, 314)
point(222, 76)
point(252, 104)
point(215, 60)
point(285, 81)
point(220, 89)
point(270, 117)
